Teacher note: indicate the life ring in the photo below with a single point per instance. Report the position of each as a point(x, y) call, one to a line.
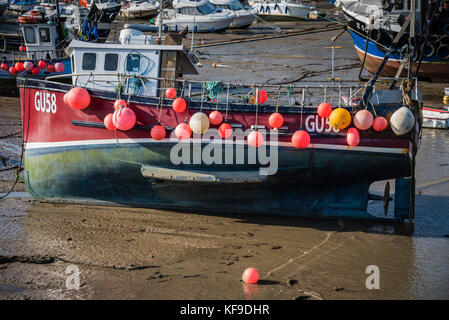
point(27, 19)
point(443, 52)
point(34, 13)
point(429, 49)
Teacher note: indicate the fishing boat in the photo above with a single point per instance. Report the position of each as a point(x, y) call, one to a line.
point(244, 15)
point(139, 9)
point(373, 24)
point(22, 5)
point(436, 118)
point(4, 4)
point(131, 130)
point(198, 16)
point(284, 9)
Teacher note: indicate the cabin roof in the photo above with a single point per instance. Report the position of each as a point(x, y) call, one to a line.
point(119, 46)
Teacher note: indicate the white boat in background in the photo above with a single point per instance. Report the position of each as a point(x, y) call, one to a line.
point(104, 4)
point(283, 9)
point(22, 5)
point(244, 15)
point(201, 16)
point(436, 118)
point(139, 9)
point(4, 4)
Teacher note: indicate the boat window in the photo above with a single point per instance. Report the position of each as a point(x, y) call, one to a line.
point(89, 61)
point(234, 6)
point(110, 61)
point(190, 11)
point(30, 37)
point(44, 34)
point(206, 8)
point(133, 62)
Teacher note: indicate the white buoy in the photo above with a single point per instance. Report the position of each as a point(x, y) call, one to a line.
point(199, 123)
point(402, 121)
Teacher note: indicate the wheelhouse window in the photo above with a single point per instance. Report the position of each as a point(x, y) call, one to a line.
point(110, 62)
point(206, 8)
point(30, 37)
point(133, 62)
point(44, 34)
point(89, 61)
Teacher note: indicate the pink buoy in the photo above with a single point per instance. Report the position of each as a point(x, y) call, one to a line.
point(324, 110)
point(19, 66)
point(41, 64)
point(108, 122)
point(35, 70)
point(251, 275)
point(276, 120)
point(225, 130)
point(255, 139)
point(263, 96)
point(65, 99)
point(13, 71)
point(4, 66)
point(78, 98)
point(363, 120)
point(301, 139)
point(352, 137)
point(124, 118)
point(380, 124)
point(215, 117)
point(179, 105)
point(158, 132)
point(170, 93)
point(120, 103)
point(27, 65)
point(183, 131)
point(59, 67)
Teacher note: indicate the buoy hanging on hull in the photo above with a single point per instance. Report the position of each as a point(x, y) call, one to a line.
point(402, 121)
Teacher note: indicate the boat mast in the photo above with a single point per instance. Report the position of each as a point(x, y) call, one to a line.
point(161, 5)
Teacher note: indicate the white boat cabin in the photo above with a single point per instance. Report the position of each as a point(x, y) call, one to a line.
point(98, 65)
point(41, 41)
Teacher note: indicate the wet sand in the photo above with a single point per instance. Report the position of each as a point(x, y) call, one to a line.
point(132, 253)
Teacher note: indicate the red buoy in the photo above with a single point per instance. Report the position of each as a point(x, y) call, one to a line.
point(108, 122)
point(78, 98)
point(59, 67)
point(19, 66)
point(183, 131)
point(225, 130)
point(41, 64)
point(215, 117)
point(35, 70)
point(353, 137)
point(13, 71)
point(4, 66)
point(251, 275)
point(120, 103)
point(263, 96)
point(324, 110)
point(276, 120)
point(255, 139)
point(170, 93)
point(301, 139)
point(158, 132)
point(380, 124)
point(179, 105)
point(124, 118)
point(50, 68)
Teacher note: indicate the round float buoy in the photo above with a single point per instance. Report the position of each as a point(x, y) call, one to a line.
point(199, 123)
point(28, 65)
point(124, 118)
point(120, 103)
point(35, 70)
point(59, 67)
point(276, 120)
point(363, 120)
point(255, 139)
point(340, 118)
point(41, 64)
point(214, 65)
point(21, 49)
point(65, 98)
point(225, 130)
point(352, 137)
point(324, 110)
point(108, 122)
point(4, 66)
point(19, 66)
point(13, 71)
point(251, 275)
point(263, 96)
point(170, 93)
point(179, 105)
point(50, 68)
point(301, 139)
point(380, 124)
point(446, 99)
point(78, 98)
point(215, 117)
point(183, 131)
point(402, 121)
point(158, 132)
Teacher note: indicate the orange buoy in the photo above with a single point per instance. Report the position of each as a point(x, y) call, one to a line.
point(183, 131)
point(13, 71)
point(363, 120)
point(215, 117)
point(19, 66)
point(255, 139)
point(352, 137)
point(108, 122)
point(59, 67)
point(380, 124)
point(120, 103)
point(124, 118)
point(324, 110)
point(41, 64)
point(170, 93)
point(78, 98)
point(179, 105)
point(263, 96)
point(251, 275)
point(340, 118)
point(225, 130)
point(158, 132)
point(301, 139)
point(276, 120)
